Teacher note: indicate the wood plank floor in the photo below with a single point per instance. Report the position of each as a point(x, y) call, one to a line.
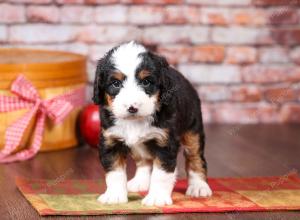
point(231, 150)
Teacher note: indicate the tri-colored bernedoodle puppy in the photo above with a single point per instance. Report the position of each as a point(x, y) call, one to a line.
point(148, 110)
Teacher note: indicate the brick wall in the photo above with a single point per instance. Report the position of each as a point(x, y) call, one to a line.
point(243, 56)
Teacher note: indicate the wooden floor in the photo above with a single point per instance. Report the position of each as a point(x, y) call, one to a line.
point(231, 150)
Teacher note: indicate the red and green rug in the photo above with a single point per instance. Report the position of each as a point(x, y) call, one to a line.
point(78, 197)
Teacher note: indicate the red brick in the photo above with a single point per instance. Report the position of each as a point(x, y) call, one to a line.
point(273, 55)
point(215, 16)
point(175, 54)
point(48, 14)
point(208, 54)
point(290, 113)
point(295, 55)
point(145, 14)
point(192, 14)
point(31, 1)
point(280, 94)
point(69, 1)
point(246, 93)
point(249, 17)
point(111, 14)
point(283, 15)
point(286, 36)
point(77, 14)
point(241, 55)
point(11, 13)
point(182, 14)
point(268, 74)
point(152, 1)
point(174, 15)
point(108, 34)
point(101, 2)
point(275, 2)
point(221, 2)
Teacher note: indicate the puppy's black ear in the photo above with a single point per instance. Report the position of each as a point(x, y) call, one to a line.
point(98, 96)
point(165, 81)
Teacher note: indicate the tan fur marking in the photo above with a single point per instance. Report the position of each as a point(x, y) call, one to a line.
point(162, 142)
point(190, 140)
point(143, 74)
point(108, 99)
point(139, 160)
point(119, 76)
point(110, 140)
point(157, 162)
point(119, 161)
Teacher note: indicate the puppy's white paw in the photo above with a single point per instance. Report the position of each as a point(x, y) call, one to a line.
point(201, 189)
point(113, 197)
point(157, 200)
point(137, 185)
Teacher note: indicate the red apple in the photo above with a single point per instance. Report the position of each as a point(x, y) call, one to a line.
point(90, 124)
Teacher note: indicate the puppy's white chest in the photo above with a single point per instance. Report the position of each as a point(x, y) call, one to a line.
point(134, 132)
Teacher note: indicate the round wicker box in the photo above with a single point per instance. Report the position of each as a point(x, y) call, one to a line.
point(51, 73)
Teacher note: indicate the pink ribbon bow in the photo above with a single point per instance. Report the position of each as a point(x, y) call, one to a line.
point(27, 96)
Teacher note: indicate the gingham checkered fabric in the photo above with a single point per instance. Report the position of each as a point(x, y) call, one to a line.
point(27, 97)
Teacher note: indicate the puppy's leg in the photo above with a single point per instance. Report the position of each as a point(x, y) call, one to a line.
point(113, 159)
point(141, 180)
point(161, 186)
point(163, 175)
point(195, 164)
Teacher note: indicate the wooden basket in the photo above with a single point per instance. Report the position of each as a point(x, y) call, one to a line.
point(51, 73)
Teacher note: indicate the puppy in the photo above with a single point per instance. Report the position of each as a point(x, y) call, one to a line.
point(148, 110)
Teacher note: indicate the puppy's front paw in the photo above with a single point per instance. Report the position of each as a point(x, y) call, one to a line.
point(137, 185)
point(157, 200)
point(201, 189)
point(113, 197)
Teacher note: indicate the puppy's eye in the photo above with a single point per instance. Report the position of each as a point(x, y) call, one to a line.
point(146, 82)
point(116, 83)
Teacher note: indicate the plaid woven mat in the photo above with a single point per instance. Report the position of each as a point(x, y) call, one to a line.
point(78, 197)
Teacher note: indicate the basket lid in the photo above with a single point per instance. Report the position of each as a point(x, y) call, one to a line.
point(43, 68)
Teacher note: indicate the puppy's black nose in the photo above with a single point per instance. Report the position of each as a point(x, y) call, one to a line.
point(132, 110)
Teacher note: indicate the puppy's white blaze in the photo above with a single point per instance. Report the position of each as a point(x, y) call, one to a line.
point(161, 187)
point(126, 57)
point(197, 186)
point(116, 191)
point(141, 180)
